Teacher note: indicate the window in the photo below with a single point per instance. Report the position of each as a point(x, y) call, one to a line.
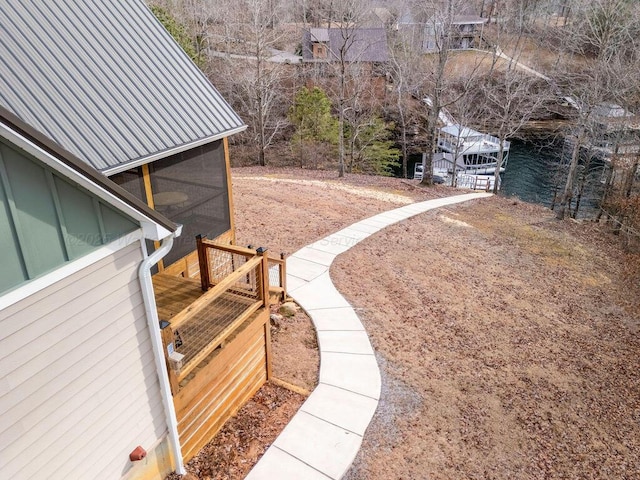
point(319, 51)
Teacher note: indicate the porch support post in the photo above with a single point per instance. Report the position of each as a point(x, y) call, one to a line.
point(266, 299)
point(203, 262)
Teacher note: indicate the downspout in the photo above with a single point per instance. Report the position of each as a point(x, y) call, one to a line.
point(144, 273)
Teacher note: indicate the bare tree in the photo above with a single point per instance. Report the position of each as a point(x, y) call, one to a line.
point(439, 34)
point(254, 81)
point(603, 34)
point(510, 98)
point(407, 70)
point(344, 74)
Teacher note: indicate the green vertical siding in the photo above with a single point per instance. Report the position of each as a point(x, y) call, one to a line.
point(34, 214)
point(13, 270)
point(46, 221)
point(115, 224)
point(80, 220)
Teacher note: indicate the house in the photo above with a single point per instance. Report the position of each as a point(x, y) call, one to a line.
point(353, 44)
point(615, 131)
point(131, 326)
point(466, 31)
point(461, 31)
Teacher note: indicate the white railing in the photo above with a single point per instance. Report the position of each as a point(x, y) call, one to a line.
point(476, 182)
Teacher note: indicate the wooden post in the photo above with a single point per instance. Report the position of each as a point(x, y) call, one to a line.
point(227, 166)
point(265, 297)
point(267, 340)
point(166, 332)
point(148, 192)
point(283, 275)
point(203, 262)
point(264, 264)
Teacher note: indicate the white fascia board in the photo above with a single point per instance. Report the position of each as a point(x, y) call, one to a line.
point(151, 229)
point(59, 273)
point(167, 153)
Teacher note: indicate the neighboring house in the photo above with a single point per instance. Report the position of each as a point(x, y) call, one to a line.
point(353, 44)
point(462, 31)
point(113, 156)
point(615, 132)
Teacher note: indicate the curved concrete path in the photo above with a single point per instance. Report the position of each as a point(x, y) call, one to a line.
point(325, 435)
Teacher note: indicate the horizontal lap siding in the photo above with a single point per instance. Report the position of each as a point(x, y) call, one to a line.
point(79, 390)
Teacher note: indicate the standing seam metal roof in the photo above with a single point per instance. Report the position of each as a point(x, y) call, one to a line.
point(105, 80)
point(361, 44)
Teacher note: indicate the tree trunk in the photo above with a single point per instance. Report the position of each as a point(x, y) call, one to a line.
point(583, 182)
point(403, 126)
point(565, 201)
point(341, 101)
point(607, 191)
point(628, 185)
point(341, 141)
point(496, 174)
point(427, 164)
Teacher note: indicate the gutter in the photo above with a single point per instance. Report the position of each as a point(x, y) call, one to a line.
point(144, 273)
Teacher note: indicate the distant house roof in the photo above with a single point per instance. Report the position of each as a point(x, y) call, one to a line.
point(611, 110)
point(319, 34)
point(468, 20)
point(362, 44)
point(377, 17)
point(461, 131)
point(106, 81)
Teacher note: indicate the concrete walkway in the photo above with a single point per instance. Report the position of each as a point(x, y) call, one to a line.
point(325, 435)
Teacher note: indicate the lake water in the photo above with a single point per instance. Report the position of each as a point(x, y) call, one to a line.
point(535, 171)
point(531, 172)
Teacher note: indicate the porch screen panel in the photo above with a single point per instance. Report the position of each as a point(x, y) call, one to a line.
point(132, 182)
point(190, 188)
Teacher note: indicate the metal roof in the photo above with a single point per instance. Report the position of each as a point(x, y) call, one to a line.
point(106, 81)
point(319, 34)
point(468, 20)
point(362, 44)
point(461, 131)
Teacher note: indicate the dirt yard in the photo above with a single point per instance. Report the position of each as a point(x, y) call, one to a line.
point(508, 342)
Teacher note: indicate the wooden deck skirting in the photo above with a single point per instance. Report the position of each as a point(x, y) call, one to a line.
point(230, 378)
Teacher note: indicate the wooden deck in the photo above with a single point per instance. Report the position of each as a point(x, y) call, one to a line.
point(175, 294)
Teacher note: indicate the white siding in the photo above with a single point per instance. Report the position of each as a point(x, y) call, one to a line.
point(78, 386)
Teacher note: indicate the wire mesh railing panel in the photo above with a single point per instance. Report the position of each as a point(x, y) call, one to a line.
point(222, 264)
point(196, 334)
point(208, 326)
point(274, 273)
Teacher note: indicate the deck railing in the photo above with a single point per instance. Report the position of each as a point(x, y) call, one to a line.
point(278, 275)
point(235, 282)
point(476, 182)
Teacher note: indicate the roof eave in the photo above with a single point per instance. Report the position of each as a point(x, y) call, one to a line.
point(172, 151)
